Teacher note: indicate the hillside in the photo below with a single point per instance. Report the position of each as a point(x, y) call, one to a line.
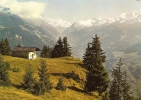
point(17, 30)
point(60, 66)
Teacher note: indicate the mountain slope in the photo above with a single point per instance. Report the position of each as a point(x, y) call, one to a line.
point(19, 31)
point(116, 35)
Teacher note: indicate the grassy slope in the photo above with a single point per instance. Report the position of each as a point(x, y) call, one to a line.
point(55, 67)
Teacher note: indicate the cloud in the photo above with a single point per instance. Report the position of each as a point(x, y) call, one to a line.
point(86, 23)
point(58, 22)
point(29, 9)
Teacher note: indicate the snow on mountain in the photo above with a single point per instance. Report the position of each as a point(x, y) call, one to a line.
point(57, 22)
point(131, 17)
point(116, 33)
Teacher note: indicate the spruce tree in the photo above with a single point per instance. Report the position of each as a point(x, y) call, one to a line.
point(60, 85)
point(46, 52)
point(120, 88)
point(97, 78)
point(126, 88)
point(28, 79)
point(4, 75)
point(7, 47)
point(43, 51)
point(44, 83)
point(66, 47)
point(4, 47)
point(86, 58)
point(58, 49)
point(116, 85)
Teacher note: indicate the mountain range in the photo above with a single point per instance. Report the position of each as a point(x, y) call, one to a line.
point(26, 32)
point(120, 36)
point(116, 34)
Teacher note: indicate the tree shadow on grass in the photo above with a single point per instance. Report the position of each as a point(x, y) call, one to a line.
point(71, 75)
point(17, 86)
point(66, 75)
point(76, 89)
point(76, 64)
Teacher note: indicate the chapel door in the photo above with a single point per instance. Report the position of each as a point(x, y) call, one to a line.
point(32, 56)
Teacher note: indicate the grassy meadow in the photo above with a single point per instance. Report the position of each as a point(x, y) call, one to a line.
point(56, 67)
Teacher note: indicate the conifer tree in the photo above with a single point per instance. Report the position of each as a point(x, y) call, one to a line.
point(4, 47)
point(58, 49)
point(116, 85)
point(28, 80)
point(46, 52)
point(126, 88)
point(97, 78)
point(44, 83)
point(60, 85)
point(66, 47)
point(86, 58)
point(7, 47)
point(120, 88)
point(4, 75)
point(43, 51)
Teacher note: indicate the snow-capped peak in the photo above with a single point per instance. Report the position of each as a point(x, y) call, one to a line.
point(57, 22)
point(95, 21)
point(131, 17)
point(87, 23)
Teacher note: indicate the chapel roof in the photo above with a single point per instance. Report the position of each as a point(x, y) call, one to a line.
point(25, 49)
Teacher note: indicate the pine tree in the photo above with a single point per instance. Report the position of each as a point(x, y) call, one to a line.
point(120, 88)
point(97, 78)
point(58, 49)
point(86, 58)
point(66, 47)
point(44, 83)
point(4, 47)
point(126, 88)
point(4, 75)
point(7, 47)
point(28, 80)
point(116, 85)
point(46, 52)
point(60, 85)
point(43, 51)
point(39, 88)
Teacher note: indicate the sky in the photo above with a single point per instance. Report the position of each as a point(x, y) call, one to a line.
point(71, 10)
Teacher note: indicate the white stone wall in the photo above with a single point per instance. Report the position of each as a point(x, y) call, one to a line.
point(32, 55)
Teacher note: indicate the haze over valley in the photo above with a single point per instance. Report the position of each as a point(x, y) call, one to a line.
point(119, 30)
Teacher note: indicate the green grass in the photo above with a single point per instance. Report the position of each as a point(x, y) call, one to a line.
point(56, 67)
